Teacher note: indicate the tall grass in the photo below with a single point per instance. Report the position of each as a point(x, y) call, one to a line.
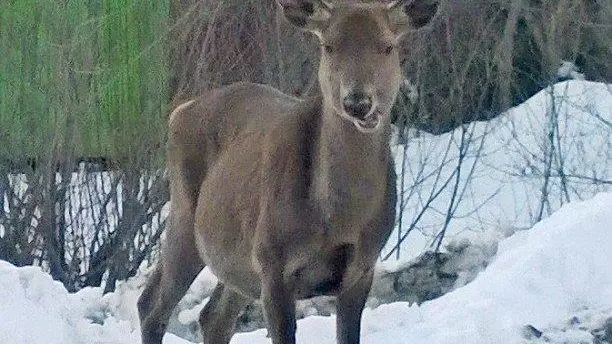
point(84, 77)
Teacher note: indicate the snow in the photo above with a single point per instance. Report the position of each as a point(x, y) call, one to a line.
point(36, 309)
point(540, 277)
point(506, 157)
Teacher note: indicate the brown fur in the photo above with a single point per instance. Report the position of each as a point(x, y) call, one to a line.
point(283, 198)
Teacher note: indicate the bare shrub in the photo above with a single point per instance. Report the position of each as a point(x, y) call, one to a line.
point(221, 42)
point(82, 226)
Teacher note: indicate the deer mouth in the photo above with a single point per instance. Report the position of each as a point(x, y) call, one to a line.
point(368, 124)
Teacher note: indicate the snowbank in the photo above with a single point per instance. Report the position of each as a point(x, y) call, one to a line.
point(542, 277)
point(504, 165)
point(35, 309)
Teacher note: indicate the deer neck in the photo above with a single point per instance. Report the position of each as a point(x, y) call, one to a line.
point(349, 169)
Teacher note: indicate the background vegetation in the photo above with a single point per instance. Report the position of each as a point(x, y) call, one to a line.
point(86, 85)
point(83, 77)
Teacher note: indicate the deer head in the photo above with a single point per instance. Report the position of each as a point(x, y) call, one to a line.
point(359, 70)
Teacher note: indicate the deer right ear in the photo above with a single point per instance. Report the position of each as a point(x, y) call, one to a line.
point(311, 15)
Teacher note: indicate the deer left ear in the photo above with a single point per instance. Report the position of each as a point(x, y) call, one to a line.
point(408, 15)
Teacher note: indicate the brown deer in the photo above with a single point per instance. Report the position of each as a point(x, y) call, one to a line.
point(283, 198)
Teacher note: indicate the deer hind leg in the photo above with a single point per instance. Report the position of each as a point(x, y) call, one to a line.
point(178, 266)
point(179, 263)
point(218, 318)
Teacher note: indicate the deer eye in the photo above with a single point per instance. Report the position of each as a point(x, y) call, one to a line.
point(388, 49)
point(328, 48)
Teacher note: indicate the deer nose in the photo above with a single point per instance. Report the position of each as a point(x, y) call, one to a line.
point(357, 104)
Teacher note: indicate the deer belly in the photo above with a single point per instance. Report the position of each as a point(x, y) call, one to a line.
point(233, 267)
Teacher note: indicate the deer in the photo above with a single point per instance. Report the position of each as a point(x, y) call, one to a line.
point(285, 198)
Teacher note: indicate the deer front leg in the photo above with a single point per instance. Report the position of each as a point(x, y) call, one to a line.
point(349, 307)
point(279, 309)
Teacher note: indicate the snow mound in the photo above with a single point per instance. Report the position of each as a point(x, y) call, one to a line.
point(35, 309)
point(542, 277)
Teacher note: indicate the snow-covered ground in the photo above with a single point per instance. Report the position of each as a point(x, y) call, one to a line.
point(544, 277)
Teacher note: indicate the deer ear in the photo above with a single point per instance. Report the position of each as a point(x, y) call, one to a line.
point(311, 15)
point(408, 15)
